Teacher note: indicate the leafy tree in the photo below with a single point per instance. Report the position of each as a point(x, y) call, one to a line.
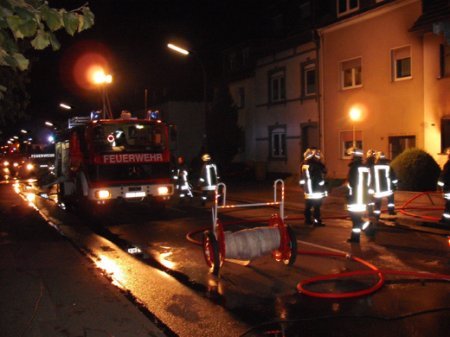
point(30, 24)
point(16, 98)
point(223, 132)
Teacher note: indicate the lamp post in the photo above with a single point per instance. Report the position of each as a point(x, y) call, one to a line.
point(186, 52)
point(355, 115)
point(100, 78)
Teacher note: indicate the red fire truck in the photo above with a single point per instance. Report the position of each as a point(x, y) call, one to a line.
point(100, 161)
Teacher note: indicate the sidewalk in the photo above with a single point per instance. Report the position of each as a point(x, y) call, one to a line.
point(49, 289)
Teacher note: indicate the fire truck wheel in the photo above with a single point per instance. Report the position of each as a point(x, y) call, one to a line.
point(211, 252)
point(292, 245)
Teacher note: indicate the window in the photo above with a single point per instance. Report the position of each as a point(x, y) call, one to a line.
point(308, 79)
point(347, 139)
point(445, 133)
point(241, 97)
point(346, 6)
point(398, 144)
point(401, 63)
point(445, 60)
point(277, 86)
point(351, 74)
point(277, 142)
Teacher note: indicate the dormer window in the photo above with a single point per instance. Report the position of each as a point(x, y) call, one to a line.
point(346, 6)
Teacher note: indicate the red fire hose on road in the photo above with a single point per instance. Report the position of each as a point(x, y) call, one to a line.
point(372, 269)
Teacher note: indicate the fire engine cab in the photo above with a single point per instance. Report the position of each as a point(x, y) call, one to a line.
point(100, 161)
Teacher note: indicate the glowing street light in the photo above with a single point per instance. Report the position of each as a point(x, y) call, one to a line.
point(178, 49)
point(355, 115)
point(65, 106)
point(101, 79)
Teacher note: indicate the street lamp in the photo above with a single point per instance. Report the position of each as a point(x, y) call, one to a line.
point(100, 78)
point(186, 52)
point(355, 115)
point(65, 106)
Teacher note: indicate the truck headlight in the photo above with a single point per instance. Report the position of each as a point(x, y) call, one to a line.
point(102, 194)
point(163, 190)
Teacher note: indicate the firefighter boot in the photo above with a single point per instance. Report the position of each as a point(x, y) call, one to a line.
point(318, 223)
point(354, 237)
point(371, 230)
point(307, 215)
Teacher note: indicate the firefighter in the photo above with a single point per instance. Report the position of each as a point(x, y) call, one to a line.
point(444, 184)
point(208, 177)
point(312, 180)
point(358, 183)
point(370, 163)
point(182, 185)
point(385, 183)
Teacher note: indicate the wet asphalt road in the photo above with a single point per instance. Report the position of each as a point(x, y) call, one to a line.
point(262, 295)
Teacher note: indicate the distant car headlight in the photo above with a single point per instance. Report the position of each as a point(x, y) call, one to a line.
point(102, 194)
point(29, 167)
point(6, 163)
point(16, 164)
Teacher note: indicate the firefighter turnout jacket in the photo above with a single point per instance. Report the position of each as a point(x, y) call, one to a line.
point(312, 180)
point(358, 183)
point(384, 179)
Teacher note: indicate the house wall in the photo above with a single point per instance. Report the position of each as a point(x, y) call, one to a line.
point(436, 97)
point(189, 118)
point(245, 116)
point(389, 108)
point(289, 113)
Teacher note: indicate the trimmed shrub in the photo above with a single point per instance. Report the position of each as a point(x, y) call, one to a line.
point(416, 170)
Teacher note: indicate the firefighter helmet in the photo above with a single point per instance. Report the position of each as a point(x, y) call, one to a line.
point(318, 154)
point(206, 157)
point(308, 154)
point(381, 155)
point(355, 152)
point(370, 153)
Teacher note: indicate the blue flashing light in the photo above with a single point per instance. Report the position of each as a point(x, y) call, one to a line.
point(96, 115)
point(153, 115)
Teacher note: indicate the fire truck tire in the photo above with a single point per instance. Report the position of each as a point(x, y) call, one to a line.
point(211, 252)
point(293, 247)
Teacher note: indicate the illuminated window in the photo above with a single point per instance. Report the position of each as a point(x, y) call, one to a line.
point(351, 73)
point(445, 60)
point(277, 86)
point(346, 6)
point(308, 79)
point(277, 142)
point(401, 63)
point(347, 138)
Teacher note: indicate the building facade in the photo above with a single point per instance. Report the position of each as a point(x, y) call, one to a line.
point(375, 75)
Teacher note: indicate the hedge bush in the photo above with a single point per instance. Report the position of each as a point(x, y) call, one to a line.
point(416, 170)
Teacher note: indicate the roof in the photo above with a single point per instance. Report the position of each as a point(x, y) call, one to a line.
point(434, 11)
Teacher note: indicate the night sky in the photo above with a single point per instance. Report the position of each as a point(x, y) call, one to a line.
point(131, 35)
